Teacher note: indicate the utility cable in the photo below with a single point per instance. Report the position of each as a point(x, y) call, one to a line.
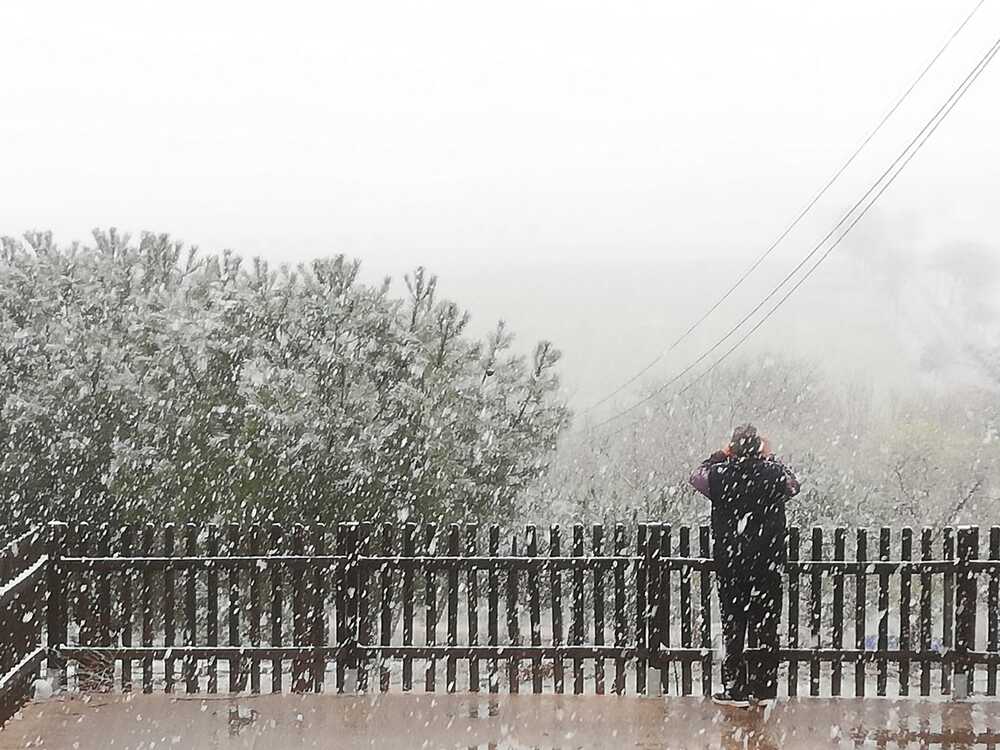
point(795, 222)
point(966, 85)
point(900, 161)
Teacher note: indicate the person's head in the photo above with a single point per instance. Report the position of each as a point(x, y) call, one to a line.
point(746, 442)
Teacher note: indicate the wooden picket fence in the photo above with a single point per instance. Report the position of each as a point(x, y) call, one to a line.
point(22, 617)
point(360, 606)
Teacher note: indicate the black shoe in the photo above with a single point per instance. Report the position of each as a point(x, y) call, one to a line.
point(730, 698)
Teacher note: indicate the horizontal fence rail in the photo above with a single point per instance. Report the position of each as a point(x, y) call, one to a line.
point(104, 564)
point(593, 609)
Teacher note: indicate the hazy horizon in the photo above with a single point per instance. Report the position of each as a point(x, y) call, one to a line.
point(596, 179)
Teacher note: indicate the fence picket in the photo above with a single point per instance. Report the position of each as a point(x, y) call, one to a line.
point(126, 539)
point(275, 544)
point(385, 607)
point(169, 631)
point(319, 608)
point(860, 607)
point(905, 584)
point(409, 549)
point(236, 676)
point(212, 621)
point(793, 610)
point(597, 550)
point(641, 592)
point(190, 609)
point(363, 627)
point(882, 676)
point(256, 543)
point(472, 604)
point(146, 595)
point(837, 668)
point(684, 550)
point(993, 611)
point(705, 620)
point(578, 604)
point(926, 593)
point(948, 605)
point(430, 607)
point(650, 616)
point(300, 683)
point(666, 577)
point(82, 595)
point(493, 607)
point(56, 615)
point(451, 678)
point(555, 589)
point(513, 623)
point(965, 610)
point(103, 579)
point(621, 621)
point(815, 610)
point(534, 609)
point(340, 594)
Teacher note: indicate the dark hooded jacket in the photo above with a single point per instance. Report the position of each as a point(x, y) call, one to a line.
point(748, 497)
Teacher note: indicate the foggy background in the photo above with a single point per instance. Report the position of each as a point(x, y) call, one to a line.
point(594, 173)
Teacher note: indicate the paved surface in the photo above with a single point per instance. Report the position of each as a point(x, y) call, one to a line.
point(275, 722)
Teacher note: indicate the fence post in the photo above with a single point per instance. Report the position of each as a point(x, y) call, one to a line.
point(56, 604)
point(965, 612)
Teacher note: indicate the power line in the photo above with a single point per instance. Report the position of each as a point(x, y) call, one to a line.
point(980, 68)
point(795, 222)
point(900, 161)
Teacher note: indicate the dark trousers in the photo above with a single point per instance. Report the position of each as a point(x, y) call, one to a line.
point(750, 601)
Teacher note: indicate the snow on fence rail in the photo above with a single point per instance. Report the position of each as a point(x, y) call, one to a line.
point(358, 605)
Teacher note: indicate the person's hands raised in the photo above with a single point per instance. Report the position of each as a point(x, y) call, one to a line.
point(765, 449)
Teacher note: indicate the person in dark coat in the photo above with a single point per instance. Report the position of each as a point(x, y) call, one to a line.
point(748, 488)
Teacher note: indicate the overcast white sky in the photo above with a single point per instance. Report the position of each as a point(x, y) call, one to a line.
point(559, 136)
